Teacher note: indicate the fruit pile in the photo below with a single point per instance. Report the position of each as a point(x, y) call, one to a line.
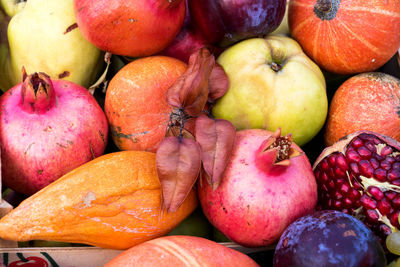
point(161, 127)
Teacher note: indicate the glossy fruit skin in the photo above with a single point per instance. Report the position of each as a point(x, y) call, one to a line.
point(328, 238)
point(291, 97)
point(180, 251)
point(252, 207)
point(130, 28)
point(225, 22)
point(113, 201)
point(39, 146)
point(367, 101)
point(353, 36)
point(135, 102)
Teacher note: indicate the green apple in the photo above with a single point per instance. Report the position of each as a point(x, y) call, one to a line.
point(273, 84)
point(42, 37)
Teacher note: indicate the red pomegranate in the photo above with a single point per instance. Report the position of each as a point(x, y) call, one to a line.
point(360, 175)
point(268, 183)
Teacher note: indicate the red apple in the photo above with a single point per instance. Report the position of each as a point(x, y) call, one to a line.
point(130, 28)
point(228, 21)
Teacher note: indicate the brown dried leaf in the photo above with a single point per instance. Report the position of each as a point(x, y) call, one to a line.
point(216, 138)
point(175, 131)
point(190, 91)
point(218, 82)
point(178, 165)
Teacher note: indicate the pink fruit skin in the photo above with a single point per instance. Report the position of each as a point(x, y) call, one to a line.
point(130, 28)
point(251, 207)
point(38, 148)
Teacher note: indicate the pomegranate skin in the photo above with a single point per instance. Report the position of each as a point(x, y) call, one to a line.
point(253, 207)
point(130, 28)
point(39, 147)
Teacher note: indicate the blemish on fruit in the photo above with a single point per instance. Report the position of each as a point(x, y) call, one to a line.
point(61, 145)
point(28, 147)
point(285, 242)
point(71, 27)
point(223, 208)
point(349, 233)
point(102, 137)
point(132, 20)
point(398, 111)
point(39, 171)
point(91, 150)
point(63, 74)
point(88, 198)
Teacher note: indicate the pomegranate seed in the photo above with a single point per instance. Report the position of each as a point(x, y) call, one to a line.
point(390, 195)
point(375, 192)
point(357, 142)
point(340, 173)
point(324, 188)
point(368, 202)
point(393, 174)
point(354, 168)
point(332, 160)
point(380, 175)
point(337, 204)
point(324, 164)
point(366, 168)
point(331, 184)
point(396, 165)
point(374, 163)
point(354, 194)
point(356, 184)
point(338, 196)
point(386, 164)
point(323, 177)
point(372, 215)
point(364, 152)
point(371, 147)
point(347, 202)
point(396, 202)
point(331, 172)
point(384, 206)
point(396, 182)
point(330, 202)
point(385, 229)
point(394, 218)
point(353, 156)
point(344, 188)
point(339, 182)
point(387, 150)
point(341, 162)
point(345, 210)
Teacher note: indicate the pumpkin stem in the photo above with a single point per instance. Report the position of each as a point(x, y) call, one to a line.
point(324, 5)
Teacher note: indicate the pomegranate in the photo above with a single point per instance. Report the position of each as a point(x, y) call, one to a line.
point(360, 175)
point(267, 184)
point(47, 128)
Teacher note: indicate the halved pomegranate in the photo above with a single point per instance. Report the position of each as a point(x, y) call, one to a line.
point(360, 175)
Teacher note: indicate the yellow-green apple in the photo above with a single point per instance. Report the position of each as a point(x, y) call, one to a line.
point(273, 84)
point(43, 37)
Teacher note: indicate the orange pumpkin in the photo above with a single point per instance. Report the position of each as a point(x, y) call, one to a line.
point(113, 201)
point(346, 36)
point(176, 251)
point(136, 105)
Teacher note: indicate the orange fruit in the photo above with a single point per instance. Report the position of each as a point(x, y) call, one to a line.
point(135, 102)
point(113, 201)
point(176, 251)
point(367, 101)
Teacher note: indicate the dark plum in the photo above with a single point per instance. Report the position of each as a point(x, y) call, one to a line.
point(328, 238)
point(228, 21)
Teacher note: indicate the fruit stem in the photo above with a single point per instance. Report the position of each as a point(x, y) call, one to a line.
point(324, 5)
point(276, 67)
point(37, 93)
